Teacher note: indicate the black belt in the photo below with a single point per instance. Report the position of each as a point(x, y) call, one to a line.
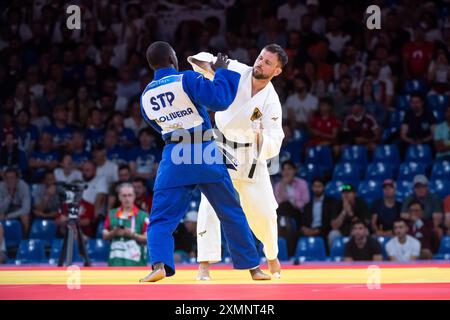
point(193, 138)
point(236, 145)
point(231, 144)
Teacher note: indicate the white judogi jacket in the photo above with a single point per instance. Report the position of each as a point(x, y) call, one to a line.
point(236, 126)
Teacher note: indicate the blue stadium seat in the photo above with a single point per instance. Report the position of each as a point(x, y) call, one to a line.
point(308, 171)
point(347, 172)
point(333, 189)
point(415, 86)
point(354, 154)
point(402, 102)
point(98, 250)
point(437, 101)
point(404, 189)
point(382, 241)
point(441, 170)
point(310, 249)
point(444, 249)
point(13, 233)
point(419, 153)
point(56, 250)
point(379, 171)
point(320, 155)
point(387, 153)
point(370, 190)
point(393, 127)
point(31, 251)
point(439, 115)
point(282, 249)
point(99, 232)
point(444, 246)
point(44, 230)
point(408, 170)
point(440, 187)
point(338, 248)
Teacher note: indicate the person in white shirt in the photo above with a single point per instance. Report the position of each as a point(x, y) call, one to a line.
point(336, 36)
point(402, 247)
point(292, 11)
point(301, 104)
point(135, 121)
point(94, 196)
point(3, 255)
point(105, 168)
point(67, 172)
point(319, 22)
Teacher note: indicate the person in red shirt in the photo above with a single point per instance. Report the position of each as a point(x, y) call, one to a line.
point(417, 55)
point(360, 128)
point(447, 214)
point(323, 125)
point(143, 200)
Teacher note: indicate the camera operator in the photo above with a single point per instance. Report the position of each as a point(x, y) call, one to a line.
point(46, 198)
point(126, 226)
point(92, 203)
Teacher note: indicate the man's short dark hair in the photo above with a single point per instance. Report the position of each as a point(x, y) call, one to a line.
point(98, 147)
point(12, 170)
point(306, 81)
point(417, 95)
point(357, 221)
point(398, 220)
point(46, 173)
point(146, 131)
point(124, 167)
point(141, 180)
point(94, 109)
point(318, 179)
point(416, 202)
point(158, 54)
point(326, 100)
point(65, 154)
point(345, 77)
point(282, 55)
point(288, 163)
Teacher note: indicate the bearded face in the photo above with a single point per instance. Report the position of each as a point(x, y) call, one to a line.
point(258, 73)
point(266, 66)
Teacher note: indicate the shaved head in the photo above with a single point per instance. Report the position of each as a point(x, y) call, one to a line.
point(161, 55)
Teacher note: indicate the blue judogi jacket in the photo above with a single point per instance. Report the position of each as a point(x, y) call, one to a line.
point(177, 101)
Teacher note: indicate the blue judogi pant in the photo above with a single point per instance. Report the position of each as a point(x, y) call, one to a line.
point(171, 204)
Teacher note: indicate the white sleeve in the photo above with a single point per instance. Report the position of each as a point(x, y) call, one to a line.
point(272, 132)
point(238, 66)
point(416, 248)
point(390, 248)
point(102, 186)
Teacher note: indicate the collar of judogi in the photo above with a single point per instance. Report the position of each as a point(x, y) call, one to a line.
point(161, 73)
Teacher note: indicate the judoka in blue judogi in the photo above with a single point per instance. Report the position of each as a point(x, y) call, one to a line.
point(175, 104)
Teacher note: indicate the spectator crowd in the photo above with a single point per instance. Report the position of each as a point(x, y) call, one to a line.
point(366, 116)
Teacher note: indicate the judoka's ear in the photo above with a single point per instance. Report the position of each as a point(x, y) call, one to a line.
point(278, 71)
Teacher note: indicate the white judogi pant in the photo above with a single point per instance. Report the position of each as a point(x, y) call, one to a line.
point(259, 204)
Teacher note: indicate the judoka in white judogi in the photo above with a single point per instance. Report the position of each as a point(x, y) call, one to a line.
point(252, 125)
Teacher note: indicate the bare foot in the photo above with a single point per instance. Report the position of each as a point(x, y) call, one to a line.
point(257, 274)
point(275, 267)
point(203, 272)
point(157, 274)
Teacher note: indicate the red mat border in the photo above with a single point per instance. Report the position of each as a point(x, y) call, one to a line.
point(428, 291)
